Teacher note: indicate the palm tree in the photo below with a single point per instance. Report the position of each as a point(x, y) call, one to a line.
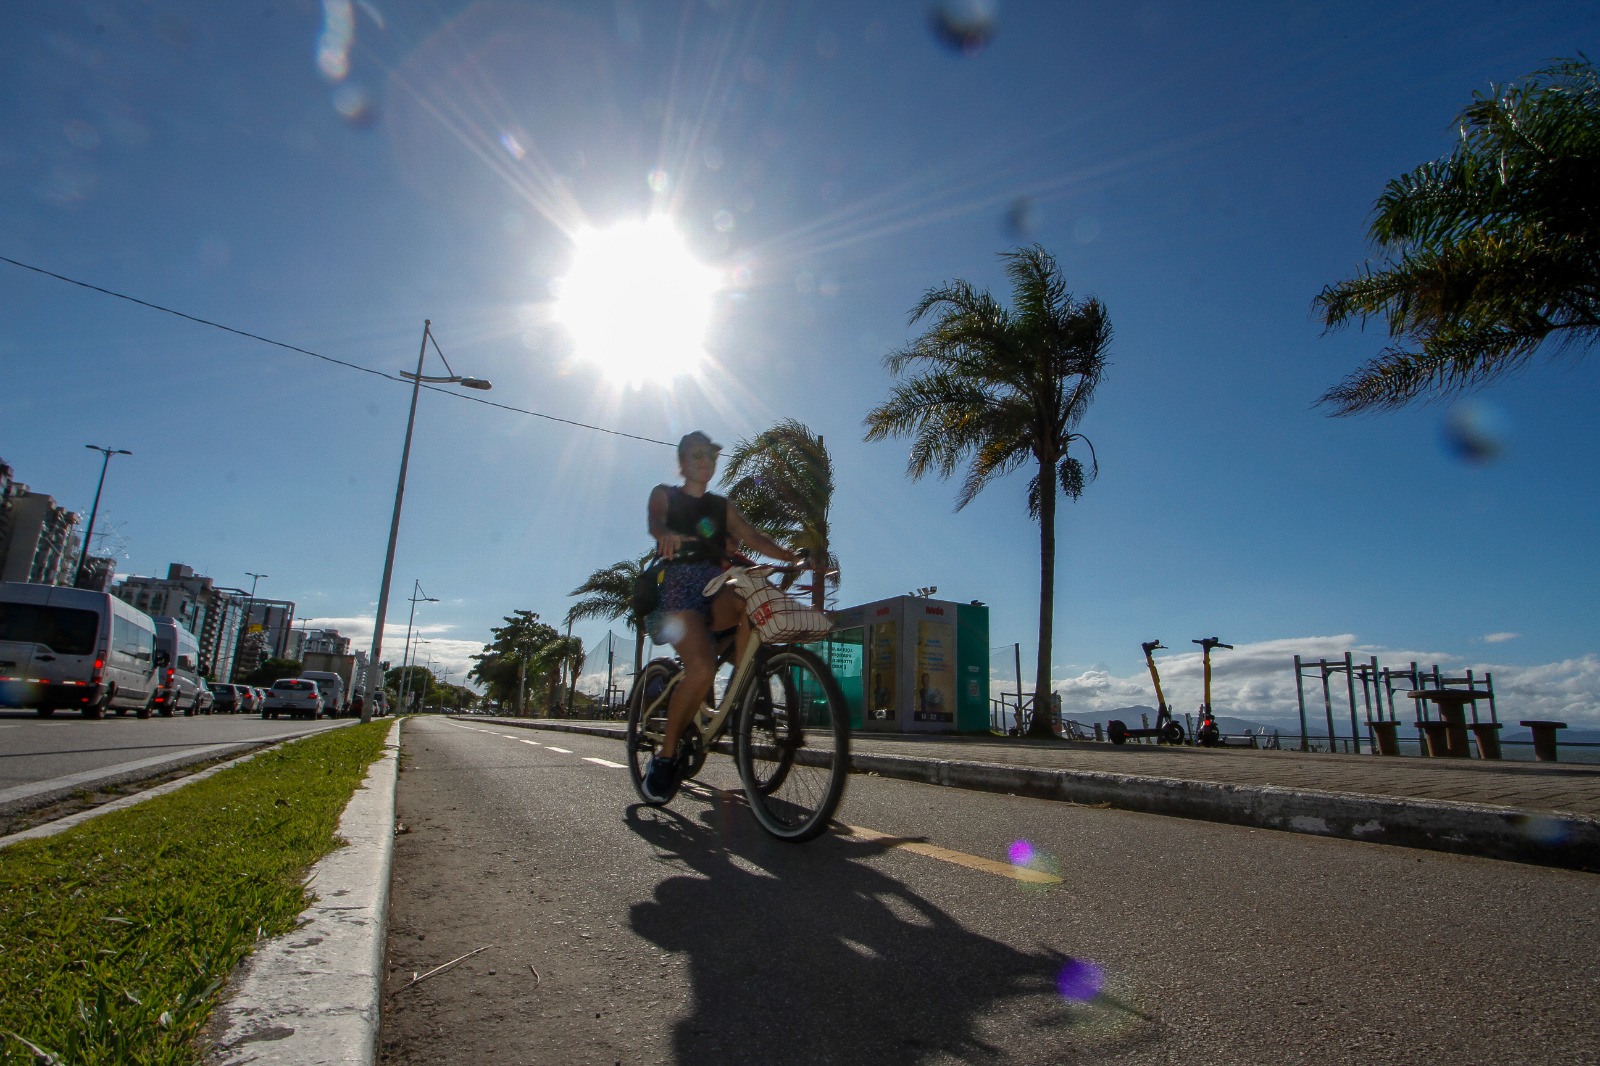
point(782, 480)
point(1492, 250)
point(551, 661)
point(609, 595)
point(996, 389)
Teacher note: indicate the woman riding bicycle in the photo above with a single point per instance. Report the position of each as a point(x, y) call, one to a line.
point(692, 527)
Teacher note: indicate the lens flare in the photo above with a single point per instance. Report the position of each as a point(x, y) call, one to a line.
point(1080, 980)
point(1021, 853)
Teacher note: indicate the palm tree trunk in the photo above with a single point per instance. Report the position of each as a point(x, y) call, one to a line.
point(819, 584)
point(1040, 726)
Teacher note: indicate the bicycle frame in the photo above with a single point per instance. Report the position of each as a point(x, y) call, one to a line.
point(711, 728)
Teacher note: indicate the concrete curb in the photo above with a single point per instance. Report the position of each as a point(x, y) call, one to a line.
point(1536, 837)
point(313, 996)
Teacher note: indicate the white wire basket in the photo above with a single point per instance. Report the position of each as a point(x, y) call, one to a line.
point(782, 619)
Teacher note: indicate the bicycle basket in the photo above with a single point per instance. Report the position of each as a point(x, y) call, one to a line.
point(783, 619)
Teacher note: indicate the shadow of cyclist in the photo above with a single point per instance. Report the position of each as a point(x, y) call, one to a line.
point(812, 955)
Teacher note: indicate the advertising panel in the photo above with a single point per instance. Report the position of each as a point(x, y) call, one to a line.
point(883, 667)
point(936, 672)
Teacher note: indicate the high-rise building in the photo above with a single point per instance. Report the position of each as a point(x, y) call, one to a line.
point(35, 536)
point(213, 613)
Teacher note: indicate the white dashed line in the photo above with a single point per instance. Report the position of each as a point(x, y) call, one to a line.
point(519, 740)
point(563, 751)
point(603, 762)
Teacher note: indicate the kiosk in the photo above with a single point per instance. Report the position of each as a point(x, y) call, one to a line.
point(912, 665)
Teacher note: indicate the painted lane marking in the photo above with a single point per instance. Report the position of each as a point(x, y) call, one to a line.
point(960, 858)
point(563, 751)
point(603, 762)
point(519, 740)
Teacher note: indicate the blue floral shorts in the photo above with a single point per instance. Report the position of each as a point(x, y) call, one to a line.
point(683, 589)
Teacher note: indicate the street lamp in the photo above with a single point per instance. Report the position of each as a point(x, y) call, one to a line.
point(417, 596)
point(406, 677)
point(83, 557)
point(416, 380)
point(249, 609)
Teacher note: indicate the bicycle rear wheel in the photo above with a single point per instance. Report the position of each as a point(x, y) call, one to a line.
point(647, 718)
point(792, 745)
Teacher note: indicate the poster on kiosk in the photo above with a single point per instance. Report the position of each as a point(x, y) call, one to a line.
point(925, 667)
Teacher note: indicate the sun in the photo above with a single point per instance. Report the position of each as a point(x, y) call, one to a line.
point(636, 302)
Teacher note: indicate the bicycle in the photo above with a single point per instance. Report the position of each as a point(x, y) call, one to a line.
point(791, 726)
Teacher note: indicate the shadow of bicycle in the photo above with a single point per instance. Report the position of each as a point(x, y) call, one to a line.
point(812, 954)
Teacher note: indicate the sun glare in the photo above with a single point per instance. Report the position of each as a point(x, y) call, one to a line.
point(636, 302)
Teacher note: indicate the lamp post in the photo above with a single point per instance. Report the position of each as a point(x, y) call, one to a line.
point(249, 609)
point(400, 491)
point(406, 677)
point(83, 556)
point(417, 596)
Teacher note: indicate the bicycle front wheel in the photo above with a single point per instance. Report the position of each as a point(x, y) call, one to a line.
point(793, 744)
point(647, 718)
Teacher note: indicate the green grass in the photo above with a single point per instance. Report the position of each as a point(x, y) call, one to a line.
point(116, 936)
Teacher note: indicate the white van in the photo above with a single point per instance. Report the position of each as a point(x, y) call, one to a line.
point(331, 685)
point(179, 687)
point(74, 648)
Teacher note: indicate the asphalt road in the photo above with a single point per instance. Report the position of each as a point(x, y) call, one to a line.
point(40, 757)
point(620, 934)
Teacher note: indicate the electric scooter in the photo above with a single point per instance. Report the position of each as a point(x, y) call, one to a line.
point(1208, 734)
point(1167, 730)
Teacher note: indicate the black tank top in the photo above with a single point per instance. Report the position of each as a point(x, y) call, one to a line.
point(705, 518)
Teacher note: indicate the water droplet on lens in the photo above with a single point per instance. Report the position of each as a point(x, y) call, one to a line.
point(1019, 218)
point(965, 26)
point(1475, 432)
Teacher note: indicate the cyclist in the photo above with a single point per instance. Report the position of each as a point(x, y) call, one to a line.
point(693, 527)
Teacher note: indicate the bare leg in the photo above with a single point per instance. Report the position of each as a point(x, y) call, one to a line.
point(727, 612)
point(699, 669)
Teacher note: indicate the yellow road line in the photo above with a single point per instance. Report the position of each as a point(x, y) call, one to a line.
point(960, 858)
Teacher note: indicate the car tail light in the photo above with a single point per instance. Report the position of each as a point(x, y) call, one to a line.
point(170, 673)
point(99, 670)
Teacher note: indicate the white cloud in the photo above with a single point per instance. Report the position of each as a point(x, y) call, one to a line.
point(1499, 638)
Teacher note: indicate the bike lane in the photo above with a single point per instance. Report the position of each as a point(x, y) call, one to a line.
point(615, 933)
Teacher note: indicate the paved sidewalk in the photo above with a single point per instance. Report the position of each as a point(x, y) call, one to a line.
point(1546, 813)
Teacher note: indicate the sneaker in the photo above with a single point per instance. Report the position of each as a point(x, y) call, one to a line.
point(661, 780)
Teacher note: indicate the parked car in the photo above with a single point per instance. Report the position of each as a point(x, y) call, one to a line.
point(73, 648)
point(295, 697)
point(204, 698)
point(225, 698)
point(260, 695)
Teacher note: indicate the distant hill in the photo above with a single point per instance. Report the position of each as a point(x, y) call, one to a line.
point(1563, 736)
point(1131, 717)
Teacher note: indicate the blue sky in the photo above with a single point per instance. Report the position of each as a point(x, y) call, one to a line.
point(1203, 169)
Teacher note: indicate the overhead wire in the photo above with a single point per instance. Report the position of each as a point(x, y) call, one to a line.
point(330, 359)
